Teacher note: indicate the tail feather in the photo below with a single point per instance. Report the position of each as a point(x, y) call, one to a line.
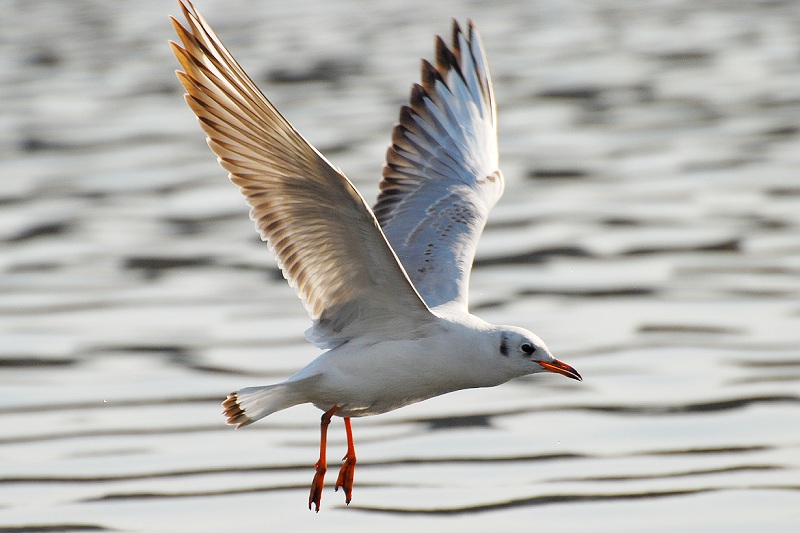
point(245, 406)
point(234, 413)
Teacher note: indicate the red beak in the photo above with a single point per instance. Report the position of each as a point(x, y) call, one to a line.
point(561, 368)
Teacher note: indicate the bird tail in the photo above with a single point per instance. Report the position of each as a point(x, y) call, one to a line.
point(245, 406)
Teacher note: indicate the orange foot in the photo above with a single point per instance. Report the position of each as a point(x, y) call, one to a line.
point(322, 464)
point(316, 486)
point(345, 479)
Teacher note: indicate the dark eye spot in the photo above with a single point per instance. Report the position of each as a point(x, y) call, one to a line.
point(503, 346)
point(527, 348)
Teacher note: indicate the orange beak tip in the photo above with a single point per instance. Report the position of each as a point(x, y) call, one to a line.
point(561, 368)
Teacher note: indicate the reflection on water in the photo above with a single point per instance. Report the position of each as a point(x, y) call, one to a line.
point(649, 232)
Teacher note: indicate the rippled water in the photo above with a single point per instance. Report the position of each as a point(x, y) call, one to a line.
point(650, 232)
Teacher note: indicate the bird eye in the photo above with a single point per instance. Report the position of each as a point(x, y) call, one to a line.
point(527, 348)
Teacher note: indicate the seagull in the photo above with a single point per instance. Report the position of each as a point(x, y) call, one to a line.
point(386, 288)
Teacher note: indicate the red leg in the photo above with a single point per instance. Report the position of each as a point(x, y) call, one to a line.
point(322, 465)
point(345, 479)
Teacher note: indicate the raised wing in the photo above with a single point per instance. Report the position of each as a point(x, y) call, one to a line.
point(328, 243)
point(441, 176)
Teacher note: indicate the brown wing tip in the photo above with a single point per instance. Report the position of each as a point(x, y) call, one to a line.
point(445, 58)
point(457, 28)
point(456, 40)
point(234, 412)
point(417, 95)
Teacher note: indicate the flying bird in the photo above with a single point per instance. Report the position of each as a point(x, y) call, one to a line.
point(386, 288)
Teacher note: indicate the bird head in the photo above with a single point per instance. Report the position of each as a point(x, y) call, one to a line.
point(528, 353)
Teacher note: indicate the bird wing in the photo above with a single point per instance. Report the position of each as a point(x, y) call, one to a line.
point(327, 241)
point(441, 176)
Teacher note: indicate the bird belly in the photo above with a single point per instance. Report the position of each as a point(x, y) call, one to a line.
point(370, 379)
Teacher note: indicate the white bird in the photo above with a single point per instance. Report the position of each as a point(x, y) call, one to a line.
point(386, 288)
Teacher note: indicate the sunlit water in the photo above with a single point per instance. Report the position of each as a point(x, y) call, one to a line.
point(650, 232)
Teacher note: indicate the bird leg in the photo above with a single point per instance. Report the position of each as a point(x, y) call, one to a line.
point(345, 479)
point(322, 464)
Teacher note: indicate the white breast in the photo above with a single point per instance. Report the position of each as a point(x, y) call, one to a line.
point(367, 378)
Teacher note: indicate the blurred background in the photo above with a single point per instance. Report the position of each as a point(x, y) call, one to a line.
point(650, 233)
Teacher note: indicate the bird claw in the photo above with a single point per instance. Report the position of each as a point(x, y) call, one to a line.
point(345, 479)
point(316, 488)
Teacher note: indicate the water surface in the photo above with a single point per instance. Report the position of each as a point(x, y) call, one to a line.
point(650, 232)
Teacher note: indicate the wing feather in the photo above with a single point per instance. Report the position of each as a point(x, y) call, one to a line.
point(441, 176)
point(328, 242)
